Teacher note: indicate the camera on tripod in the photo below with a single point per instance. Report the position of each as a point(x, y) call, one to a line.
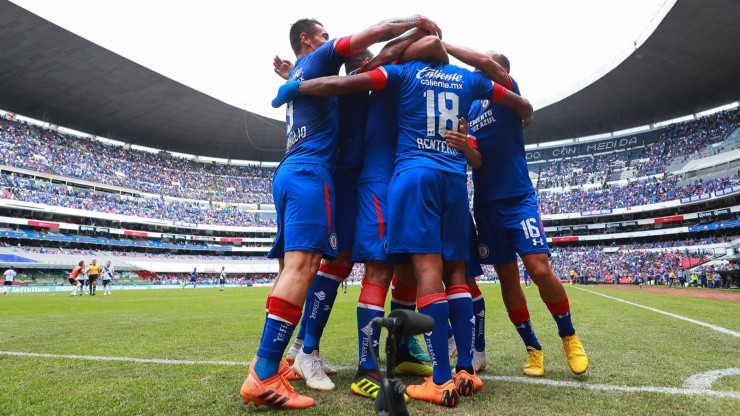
point(400, 323)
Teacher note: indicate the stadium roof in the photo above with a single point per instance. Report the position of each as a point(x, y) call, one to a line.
point(689, 64)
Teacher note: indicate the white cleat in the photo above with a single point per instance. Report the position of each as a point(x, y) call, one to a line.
point(293, 350)
point(479, 361)
point(328, 369)
point(309, 366)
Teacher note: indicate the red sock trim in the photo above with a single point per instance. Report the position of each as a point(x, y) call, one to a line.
point(373, 294)
point(457, 289)
point(338, 272)
point(474, 290)
point(285, 310)
point(559, 308)
point(518, 315)
point(427, 300)
point(403, 293)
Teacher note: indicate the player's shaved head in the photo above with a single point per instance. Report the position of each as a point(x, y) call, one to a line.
point(301, 26)
point(501, 59)
point(357, 61)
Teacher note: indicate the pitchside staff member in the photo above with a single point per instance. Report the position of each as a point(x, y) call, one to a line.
point(9, 277)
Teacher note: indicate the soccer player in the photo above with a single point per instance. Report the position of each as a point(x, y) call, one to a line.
point(303, 192)
point(222, 279)
point(76, 272)
point(427, 198)
point(9, 278)
point(94, 273)
point(508, 222)
point(194, 278)
point(108, 272)
point(83, 279)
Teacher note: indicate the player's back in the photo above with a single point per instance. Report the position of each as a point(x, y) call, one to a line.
point(500, 136)
point(353, 112)
point(312, 122)
point(379, 141)
point(431, 99)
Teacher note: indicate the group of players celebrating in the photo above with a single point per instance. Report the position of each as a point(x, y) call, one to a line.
point(375, 172)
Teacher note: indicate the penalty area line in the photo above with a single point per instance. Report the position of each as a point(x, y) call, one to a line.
point(672, 315)
point(510, 379)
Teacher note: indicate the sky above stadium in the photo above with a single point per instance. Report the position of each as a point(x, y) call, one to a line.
point(225, 48)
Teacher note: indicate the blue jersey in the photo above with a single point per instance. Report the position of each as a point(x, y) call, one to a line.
point(312, 122)
point(500, 138)
point(353, 110)
point(379, 144)
point(430, 100)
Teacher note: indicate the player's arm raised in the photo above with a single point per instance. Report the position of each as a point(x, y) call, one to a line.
point(330, 86)
point(511, 100)
point(482, 62)
point(389, 29)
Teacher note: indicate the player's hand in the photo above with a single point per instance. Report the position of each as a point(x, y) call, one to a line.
point(528, 121)
point(458, 140)
point(286, 93)
point(282, 67)
point(430, 26)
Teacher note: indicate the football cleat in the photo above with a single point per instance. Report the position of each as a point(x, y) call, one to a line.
point(408, 365)
point(309, 367)
point(287, 371)
point(274, 391)
point(535, 366)
point(479, 361)
point(466, 383)
point(575, 354)
point(416, 351)
point(441, 395)
point(367, 384)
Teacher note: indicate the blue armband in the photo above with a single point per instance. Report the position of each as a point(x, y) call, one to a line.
point(287, 92)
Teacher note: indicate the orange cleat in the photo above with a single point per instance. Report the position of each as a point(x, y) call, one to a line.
point(275, 392)
point(285, 370)
point(467, 383)
point(441, 395)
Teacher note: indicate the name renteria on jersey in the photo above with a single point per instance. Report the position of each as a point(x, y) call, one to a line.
point(436, 78)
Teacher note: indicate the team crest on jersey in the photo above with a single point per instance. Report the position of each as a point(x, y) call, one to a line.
point(333, 241)
point(483, 251)
point(484, 103)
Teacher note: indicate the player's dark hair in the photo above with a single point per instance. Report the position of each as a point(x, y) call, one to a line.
point(357, 61)
point(301, 26)
point(502, 60)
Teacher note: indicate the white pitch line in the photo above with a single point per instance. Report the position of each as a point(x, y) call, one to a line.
point(704, 380)
point(525, 380)
point(672, 315)
point(125, 359)
point(611, 387)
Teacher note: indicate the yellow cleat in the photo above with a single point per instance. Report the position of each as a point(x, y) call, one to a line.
point(535, 366)
point(367, 384)
point(575, 354)
point(410, 366)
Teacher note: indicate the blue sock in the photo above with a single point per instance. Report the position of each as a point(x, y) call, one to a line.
point(462, 323)
point(479, 310)
point(318, 308)
point(275, 337)
point(437, 340)
point(561, 313)
point(301, 334)
point(520, 319)
point(364, 316)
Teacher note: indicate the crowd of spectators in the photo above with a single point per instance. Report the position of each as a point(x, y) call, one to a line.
point(195, 212)
point(32, 147)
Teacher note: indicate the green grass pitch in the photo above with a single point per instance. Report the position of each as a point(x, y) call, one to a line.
point(640, 358)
